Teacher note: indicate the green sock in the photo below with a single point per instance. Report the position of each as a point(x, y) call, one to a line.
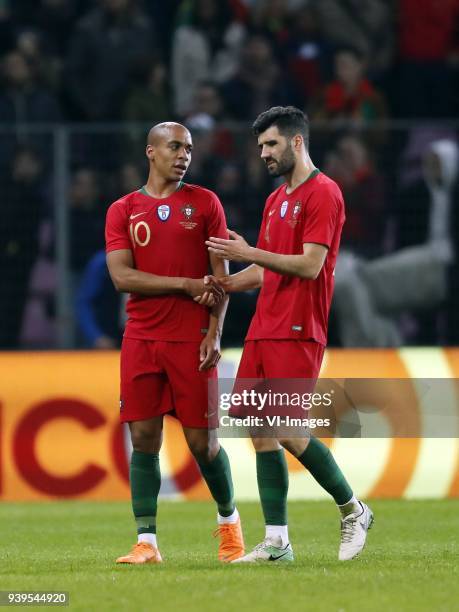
point(318, 459)
point(272, 476)
point(145, 479)
point(217, 475)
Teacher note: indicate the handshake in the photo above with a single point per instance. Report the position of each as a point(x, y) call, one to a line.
point(207, 291)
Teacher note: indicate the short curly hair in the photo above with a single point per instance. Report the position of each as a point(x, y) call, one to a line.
point(289, 120)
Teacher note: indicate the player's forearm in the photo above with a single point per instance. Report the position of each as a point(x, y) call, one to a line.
point(217, 318)
point(245, 280)
point(130, 280)
point(291, 265)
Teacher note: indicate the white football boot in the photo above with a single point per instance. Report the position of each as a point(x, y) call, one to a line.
point(354, 528)
point(268, 550)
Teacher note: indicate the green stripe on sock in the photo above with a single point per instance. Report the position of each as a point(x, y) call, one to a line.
point(217, 475)
point(145, 479)
point(318, 459)
point(272, 477)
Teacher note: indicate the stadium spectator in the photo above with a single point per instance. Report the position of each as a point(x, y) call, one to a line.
point(147, 99)
point(371, 296)
point(306, 53)
point(86, 219)
point(129, 178)
point(427, 212)
point(126, 179)
point(23, 102)
point(164, 15)
point(105, 44)
point(39, 328)
point(428, 49)
point(206, 161)
point(22, 208)
point(55, 19)
point(351, 166)
point(367, 25)
point(350, 96)
point(44, 67)
point(258, 83)
point(148, 96)
point(206, 45)
point(209, 109)
point(99, 308)
point(271, 19)
point(207, 101)
point(229, 184)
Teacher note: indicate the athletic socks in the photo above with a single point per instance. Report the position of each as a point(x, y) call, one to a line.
point(277, 534)
point(148, 537)
point(145, 479)
point(318, 459)
point(353, 506)
point(217, 474)
point(228, 520)
point(272, 477)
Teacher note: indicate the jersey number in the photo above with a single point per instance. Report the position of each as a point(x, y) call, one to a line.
point(135, 230)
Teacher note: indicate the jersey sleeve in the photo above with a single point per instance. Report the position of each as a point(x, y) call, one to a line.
point(216, 223)
point(116, 229)
point(323, 213)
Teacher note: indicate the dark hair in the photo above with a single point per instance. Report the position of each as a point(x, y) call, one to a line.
point(289, 120)
point(350, 50)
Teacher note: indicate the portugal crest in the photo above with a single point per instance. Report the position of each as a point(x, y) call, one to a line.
point(295, 216)
point(188, 211)
point(164, 211)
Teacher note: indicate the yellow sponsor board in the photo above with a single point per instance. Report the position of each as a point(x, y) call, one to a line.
point(60, 435)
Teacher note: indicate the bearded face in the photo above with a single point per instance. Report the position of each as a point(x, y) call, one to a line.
point(283, 164)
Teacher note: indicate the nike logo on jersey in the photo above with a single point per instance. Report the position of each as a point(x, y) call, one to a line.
point(272, 558)
point(137, 215)
point(271, 212)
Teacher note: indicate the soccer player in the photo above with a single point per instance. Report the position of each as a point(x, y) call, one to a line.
point(293, 263)
point(155, 243)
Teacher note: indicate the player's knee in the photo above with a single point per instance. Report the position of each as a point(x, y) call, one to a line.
point(262, 445)
point(296, 446)
point(145, 441)
point(203, 450)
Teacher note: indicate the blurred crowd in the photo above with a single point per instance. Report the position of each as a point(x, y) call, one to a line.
point(355, 66)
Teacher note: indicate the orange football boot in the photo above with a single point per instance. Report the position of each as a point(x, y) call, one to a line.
point(231, 541)
point(142, 552)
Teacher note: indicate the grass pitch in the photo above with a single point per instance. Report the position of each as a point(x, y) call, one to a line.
point(411, 561)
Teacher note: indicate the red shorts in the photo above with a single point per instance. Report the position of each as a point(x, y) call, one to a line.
point(284, 367)
point(281, 359)
point(163, 377)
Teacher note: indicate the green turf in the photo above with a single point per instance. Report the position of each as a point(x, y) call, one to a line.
point(411, 561)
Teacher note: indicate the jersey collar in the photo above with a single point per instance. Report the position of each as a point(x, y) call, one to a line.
point(314, 173)
point(143, 191)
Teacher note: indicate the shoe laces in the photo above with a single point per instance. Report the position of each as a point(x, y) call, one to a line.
point(347, 528)
point(141, 546)
point(222, 530)
point(266, 542)
point(229, 534)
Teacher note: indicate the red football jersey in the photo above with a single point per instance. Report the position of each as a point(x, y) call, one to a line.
point(289, 307)
point(167, 238)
